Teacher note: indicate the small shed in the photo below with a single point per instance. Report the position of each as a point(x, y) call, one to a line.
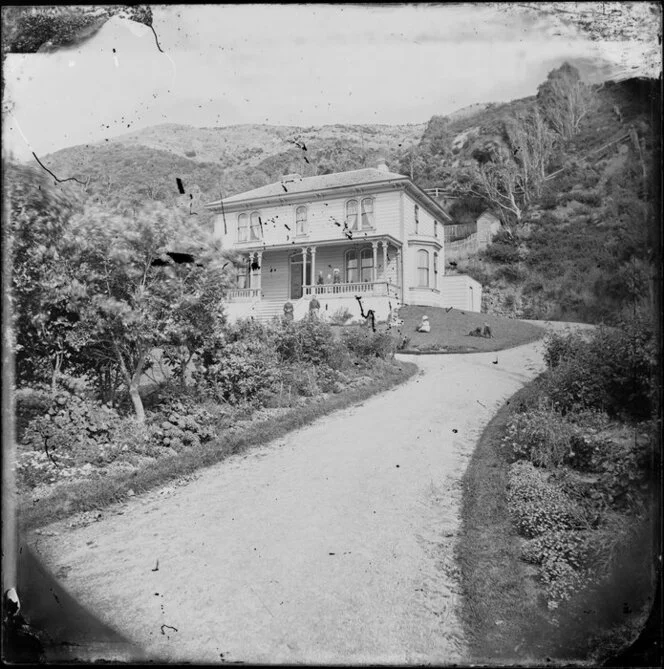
point(487, 227)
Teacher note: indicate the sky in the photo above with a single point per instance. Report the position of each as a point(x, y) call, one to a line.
point(303, 65)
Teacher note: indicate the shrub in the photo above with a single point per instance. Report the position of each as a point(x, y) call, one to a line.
point(502, 250)
point(624, 465)
point(180, 423)
point(341, 316)
point(511, 273)
point(564, 558)
point(548, 200)
point(611, 372)
point(74, 430)
point(236, 371)
point(559, 348)
point(536, 505)
point(366, 344)
point(542, 436)
point(30, 404)
point(309, 340)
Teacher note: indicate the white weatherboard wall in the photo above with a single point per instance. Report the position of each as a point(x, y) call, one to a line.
point(322, 218)
point(461, 292)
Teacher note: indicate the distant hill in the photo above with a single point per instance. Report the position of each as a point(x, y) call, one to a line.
point(144, 164)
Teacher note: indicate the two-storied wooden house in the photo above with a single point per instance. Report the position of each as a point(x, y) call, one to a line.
point(369, 233)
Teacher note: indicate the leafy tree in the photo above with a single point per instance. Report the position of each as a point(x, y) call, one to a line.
point(510, 168)
point(564, 100)
point(43, 297)
point(134, 300)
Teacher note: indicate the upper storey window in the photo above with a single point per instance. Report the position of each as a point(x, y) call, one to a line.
point(255, 229)
point(360, 214)
point(248, 227)
point(301, 221)
point(242, 227)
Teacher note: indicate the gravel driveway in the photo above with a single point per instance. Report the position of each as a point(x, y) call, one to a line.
point(333, 545)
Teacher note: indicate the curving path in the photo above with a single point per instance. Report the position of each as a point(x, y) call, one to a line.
point(334, 545)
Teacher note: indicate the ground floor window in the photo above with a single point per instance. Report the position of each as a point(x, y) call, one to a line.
point(243, 274)
point(423, 268)
point(359, 266)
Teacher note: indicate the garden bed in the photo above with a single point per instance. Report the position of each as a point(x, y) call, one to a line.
point(92, 485)
point(558, 543)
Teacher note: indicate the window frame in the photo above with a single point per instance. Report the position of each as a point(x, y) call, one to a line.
point(347, 267)
point(305, 227)
point(363, 267)
point(243, 228)
point(372, 220)
point(356, 202)
point(255, 227)
point(423, 253)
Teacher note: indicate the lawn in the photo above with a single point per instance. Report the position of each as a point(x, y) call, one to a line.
point(449, 331)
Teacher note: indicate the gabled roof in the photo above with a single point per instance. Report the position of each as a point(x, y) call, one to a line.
point(369, 175)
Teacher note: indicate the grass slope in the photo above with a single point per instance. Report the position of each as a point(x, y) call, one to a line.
point(449, 331)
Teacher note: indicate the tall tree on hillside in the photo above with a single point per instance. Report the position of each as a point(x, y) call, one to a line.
point(564, 100)
point(531, 143)
point(510, 166)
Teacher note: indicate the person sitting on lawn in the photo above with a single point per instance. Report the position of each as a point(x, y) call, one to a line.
point(424, 325)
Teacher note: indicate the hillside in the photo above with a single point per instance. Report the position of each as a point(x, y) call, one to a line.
point(585, 248)
point(144, 164)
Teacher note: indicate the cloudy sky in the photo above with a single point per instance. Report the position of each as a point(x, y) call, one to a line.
point(295, 65)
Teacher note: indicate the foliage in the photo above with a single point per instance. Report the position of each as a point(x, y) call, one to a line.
point(564, 558)
point(236, 371)
point(43, 297)
point(564, 100)
point(135, 300)
point(503, 249)
point(180, 423)
point(536, 505)
point(311, 341)
point(74, 429)
point(542, 436)
point(366, 344)
point(612, 371)
point(341, 316)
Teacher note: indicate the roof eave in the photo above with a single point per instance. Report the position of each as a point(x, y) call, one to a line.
point(387, 184)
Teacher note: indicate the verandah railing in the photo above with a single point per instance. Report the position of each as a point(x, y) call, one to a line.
point(349, 289)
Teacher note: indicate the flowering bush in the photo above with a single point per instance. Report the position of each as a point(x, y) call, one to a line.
point(564, 558)
point(537, 505)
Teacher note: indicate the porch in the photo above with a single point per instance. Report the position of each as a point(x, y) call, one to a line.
point(333, 273)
